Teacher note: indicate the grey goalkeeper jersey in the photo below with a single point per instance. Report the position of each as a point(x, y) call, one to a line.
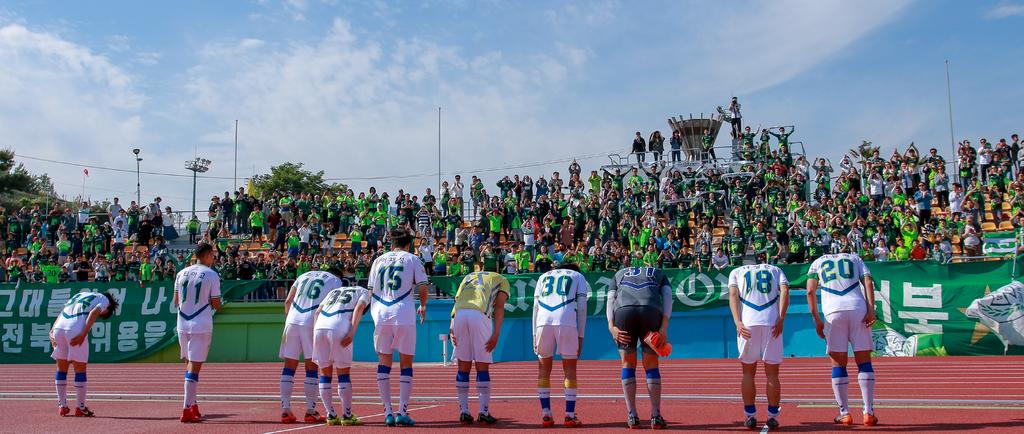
point(640, 286)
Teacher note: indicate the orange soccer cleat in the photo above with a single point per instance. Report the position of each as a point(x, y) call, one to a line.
point(288, 417)
point(195, 412)
point(314, 417)
point(187, 416)
point(573, 422)
point(84, 412)
point(870, 419)
point(64, 411)
point(547, 422)
point(844, 419)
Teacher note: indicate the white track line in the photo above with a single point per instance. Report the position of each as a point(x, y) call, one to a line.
point(364, 417)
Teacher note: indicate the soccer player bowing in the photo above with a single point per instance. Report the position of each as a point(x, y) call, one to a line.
point(848, 304)
point(303, 299)
point(393, 279)
point(335, 324)
point(759, 298)
point(559, 319)
point(197, 295)
point(477, 315)
point(640, 303)
point(70, 339)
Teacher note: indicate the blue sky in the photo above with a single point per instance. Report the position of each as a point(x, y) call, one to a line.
point(352, 87)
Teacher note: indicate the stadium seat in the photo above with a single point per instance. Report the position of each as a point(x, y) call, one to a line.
point(1005, 225)
point(988, 226)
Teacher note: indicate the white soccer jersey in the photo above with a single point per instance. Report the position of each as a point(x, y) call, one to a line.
point(196, 286)
point(555, 298)
point(310, 289)
point(393, 278)
point(839, 277)
point(760, 287)
point(337, 308)
point(76, 311)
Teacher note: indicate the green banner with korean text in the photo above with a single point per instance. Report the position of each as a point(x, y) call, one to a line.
point(920, 304)
point(143, 324)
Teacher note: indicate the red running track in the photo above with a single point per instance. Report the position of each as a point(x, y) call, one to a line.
point(940, 394)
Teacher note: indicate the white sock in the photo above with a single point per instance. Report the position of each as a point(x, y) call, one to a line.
point(191, 388)
point(866, 379)
point(629, 389)
point(462, 390)
point(310, 389)
point(404, 390)
point(80, 388)
point(345, 393)
point(384, 386)
point(326, 395)
point(841, 388)
point(483, 388)
point(61, 382)
point(287, 384)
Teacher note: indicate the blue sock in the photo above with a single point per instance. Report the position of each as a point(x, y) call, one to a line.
point(80, 388)
point(286, 386)
point(773, 411)
point(749, 410)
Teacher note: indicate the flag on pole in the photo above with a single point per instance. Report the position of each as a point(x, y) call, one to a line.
point(999, 243)
point(85, 172)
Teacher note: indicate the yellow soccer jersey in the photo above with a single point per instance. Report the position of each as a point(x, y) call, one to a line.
point(477, 292)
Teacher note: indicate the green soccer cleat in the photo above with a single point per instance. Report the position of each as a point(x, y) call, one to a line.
point(389, 420)
point(658, 422)
point(333, 420)
point(405, 420)
point(632, 422)
point(351, 420)
point(486, 419)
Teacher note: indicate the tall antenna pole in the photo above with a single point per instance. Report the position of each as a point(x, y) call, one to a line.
point(236, 154)
point(949, 102)
point(439, 150)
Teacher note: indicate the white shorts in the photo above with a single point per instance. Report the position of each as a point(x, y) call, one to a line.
point(472, 329)
point(760, 346)
point(549, 338)
point(388, 338)
point(845, 328)
point(327, 349)
point(194, 346)
point(296, 341)
point(63, 350)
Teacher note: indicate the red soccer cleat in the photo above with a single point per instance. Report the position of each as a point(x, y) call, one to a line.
point(84, 412)
point(187, 416)
point(843, 419)
point(195, 412)
point(314, 417)
point(547, 422)
point(64, 411)
point(573, 422)
point(288, 417)
point(870, 419)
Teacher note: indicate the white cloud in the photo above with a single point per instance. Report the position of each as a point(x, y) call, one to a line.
point(359, 107)
point(768, 43)
point(1005, 10)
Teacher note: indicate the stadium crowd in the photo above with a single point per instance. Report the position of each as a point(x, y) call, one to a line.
point(765, 204)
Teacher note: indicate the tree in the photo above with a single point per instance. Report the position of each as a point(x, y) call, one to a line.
point(13, 178)
point(292, 178)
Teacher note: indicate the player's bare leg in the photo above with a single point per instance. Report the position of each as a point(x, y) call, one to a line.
point(544, 390)
point(653, 374)
point(287, 385)
point(774, 388)
point(61, 384)
point(841, 387)
point(749, 392)
point(569, 367)
point(629, 387)
point(483, 390)
point(866, 380)
point(309, 388)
